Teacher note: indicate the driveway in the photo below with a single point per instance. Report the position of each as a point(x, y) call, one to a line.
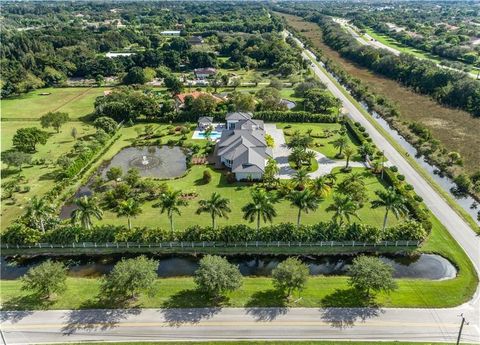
point(281, 153)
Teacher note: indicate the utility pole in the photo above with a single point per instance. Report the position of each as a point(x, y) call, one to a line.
point(461, 328)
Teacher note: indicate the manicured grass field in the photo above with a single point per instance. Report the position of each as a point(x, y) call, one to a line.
point(40, 177)
point(239, 195)
point(323, 145)
point(269, 342)
point(76, 101)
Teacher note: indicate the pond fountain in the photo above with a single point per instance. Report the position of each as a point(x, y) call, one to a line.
point(423, 266)
point(151, 161)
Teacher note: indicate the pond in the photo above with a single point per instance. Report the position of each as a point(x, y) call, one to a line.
point(425, 266)
point(151, 161)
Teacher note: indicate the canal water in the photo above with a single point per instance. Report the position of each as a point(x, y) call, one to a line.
point(424, 266)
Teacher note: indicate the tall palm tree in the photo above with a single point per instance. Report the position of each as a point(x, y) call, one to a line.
point(216, 206)
point(340, 144)
point(170, 202)
point(344, 209)
point(86, 209)
point(261, 207)
point(391, 201)
point(321, 186)
point(38, 210)
point(349, 151)
point(301, 178)
point(305, 201)
point(129, 208)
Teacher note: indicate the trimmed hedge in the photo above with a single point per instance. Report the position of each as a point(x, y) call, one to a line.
point(67, 234)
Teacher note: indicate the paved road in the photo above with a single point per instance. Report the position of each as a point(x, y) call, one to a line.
point(281, 153)
point(263, 323)
point(229, 324)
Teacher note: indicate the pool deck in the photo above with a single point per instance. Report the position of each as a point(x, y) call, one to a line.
point(218, 128)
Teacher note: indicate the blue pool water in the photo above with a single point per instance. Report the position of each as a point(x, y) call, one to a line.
point(213, 135)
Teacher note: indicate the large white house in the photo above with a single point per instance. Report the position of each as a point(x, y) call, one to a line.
point(242, 147)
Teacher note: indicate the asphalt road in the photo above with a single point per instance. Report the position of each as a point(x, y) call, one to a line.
point(266, 323)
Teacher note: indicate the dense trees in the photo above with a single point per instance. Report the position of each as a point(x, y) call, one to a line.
point(447, 86)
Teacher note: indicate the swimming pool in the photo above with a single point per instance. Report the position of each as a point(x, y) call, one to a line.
point(201, 135)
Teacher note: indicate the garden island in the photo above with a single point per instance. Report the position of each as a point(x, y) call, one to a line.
point(194, 151)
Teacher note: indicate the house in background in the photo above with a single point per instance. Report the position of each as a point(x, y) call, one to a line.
point(204, 122)
point(195, 40)
point(203, 73)
point(242, 147)
point(181, 97)
point(171, 33)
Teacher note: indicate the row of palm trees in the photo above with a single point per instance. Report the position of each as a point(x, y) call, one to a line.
point(260, 208)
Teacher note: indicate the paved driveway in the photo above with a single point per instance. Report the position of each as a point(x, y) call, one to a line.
point(281, 153)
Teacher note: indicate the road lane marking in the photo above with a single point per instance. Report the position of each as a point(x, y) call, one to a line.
point(227, 323)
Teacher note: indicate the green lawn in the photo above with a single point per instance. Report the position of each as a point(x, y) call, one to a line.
point(77, 101)
point(40, 177)
point(239, 195)
point(322, 145)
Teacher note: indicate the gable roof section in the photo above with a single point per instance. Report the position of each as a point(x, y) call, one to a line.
point(238, 116)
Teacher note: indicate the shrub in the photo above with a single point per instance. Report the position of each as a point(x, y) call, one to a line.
point(401, 177)
point(207, 176)
point(46, 279)
point(393, 168)
point(216, 275)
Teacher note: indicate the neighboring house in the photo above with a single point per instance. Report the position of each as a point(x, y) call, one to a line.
point(180, 98)
point(195, 40)
point(203, 73)
point(205, 122)
point(243, 149)
point(171, 33)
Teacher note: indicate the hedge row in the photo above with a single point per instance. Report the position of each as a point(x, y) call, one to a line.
point(67, 234)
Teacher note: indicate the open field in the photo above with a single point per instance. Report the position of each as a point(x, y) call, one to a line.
point(40, 177)
point(456, 129)
point(76, 101)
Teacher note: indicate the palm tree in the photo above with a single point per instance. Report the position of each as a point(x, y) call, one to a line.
point(309, 156)
point(38, 210)
point(86, 209)
point(391, 201)
point(170, 202)
point(261, 206)
point(216, 206)
point(305, 201)
point(321, 186)
point(344, 208)
point(301, 178)
point(349, 151)
point(340, 144)
point(130, 209)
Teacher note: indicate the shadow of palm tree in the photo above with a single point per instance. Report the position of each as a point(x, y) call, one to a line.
point(267, 305)
point(343, 308)
point(190, 306)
